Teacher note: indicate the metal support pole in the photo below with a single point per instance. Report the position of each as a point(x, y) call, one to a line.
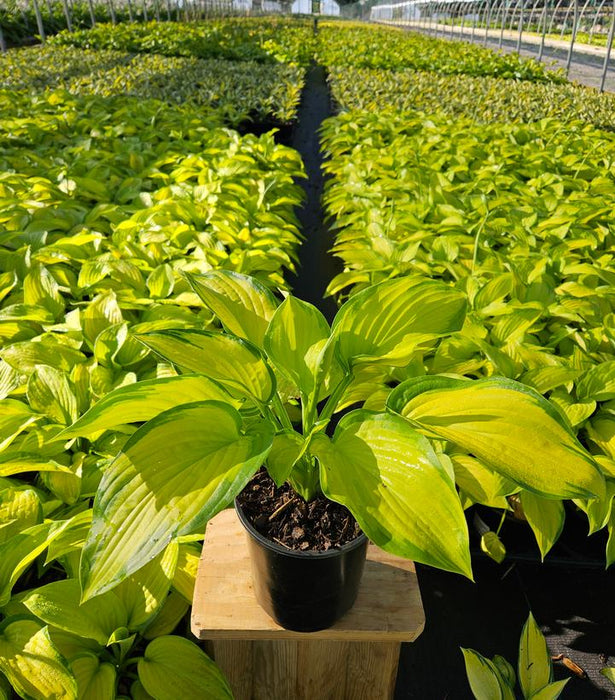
point(39, 21)
point(503, 24)
point(573, 37)
point(112, 12)
point(2, 42)
point(168, 3)
point(520, 37)
point(69, 22)
point(609, 46)
point(488, 23)
point(92, 15)
point(544, 31)
point(130, 14)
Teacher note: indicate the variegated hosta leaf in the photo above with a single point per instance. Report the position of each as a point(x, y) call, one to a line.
point(173, 475)
point(32, 664)
point(294, 341)
point(49, 392)
point(387, 321)
point(168, 617)
point(243, 304)
point(57, 604)
point(144, 400)
point(144, 592)
point(20, 508)
point(479, 484)
point(234, 362)
point(391, 480)
point(174, 667)
point(546, 518)
point(17, 553)
point(96, 680)
point(505, 425)
point(186, 569)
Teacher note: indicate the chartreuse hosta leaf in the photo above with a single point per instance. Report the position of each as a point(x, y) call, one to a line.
point(243, 304)
point(546, 518)
point(485, 678)
point(385, 323)
point(174, 667)
point(172, 476)
point(20, 508)
point(32, 664)
point(17, 553)
point(294, 341)
point(172, 611)
point(57, 605)
point(95, 679)
point(234, 362)
point(144, 400)
point(534, 659)
point(508, 427)
point(389, 477)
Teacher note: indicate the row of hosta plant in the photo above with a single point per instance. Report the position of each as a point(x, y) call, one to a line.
point(482, 99)
point(105, 205)
point(18, 20)
point(519, 217)
point(246, 39)
point(346, 45)
point(238, 90)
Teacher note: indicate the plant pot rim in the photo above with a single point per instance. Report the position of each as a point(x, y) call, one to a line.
point(298, 554)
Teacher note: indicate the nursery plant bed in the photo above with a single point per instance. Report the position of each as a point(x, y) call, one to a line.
point(357, 657)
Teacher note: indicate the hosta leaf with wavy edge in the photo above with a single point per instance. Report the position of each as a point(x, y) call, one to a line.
point(144, 592)
point(174, 667)
point(168, 617)
point(508, 427)
point(234, 362)
point(144, 400)
point(18, 553)
point(95, 679)
point(294, 340)
point(32, 664)
point(389, 477)
point(387, 321)
point(243, 304)
point(57, 604)
point(20, 508)
point(173, 475)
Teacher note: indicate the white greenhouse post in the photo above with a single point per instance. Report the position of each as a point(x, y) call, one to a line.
point(520, 36)
point(92, 14)
point(503, 23)
point(487, 23)
point(39, 21)
point(596, 16)
point(554, 15)
point(609, 46)
point(544, 32)
point(561, 36)
point(573, 37)
point(145, 11)
point(69, 22)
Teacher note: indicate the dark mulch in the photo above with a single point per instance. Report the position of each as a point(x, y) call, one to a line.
point(282, 516)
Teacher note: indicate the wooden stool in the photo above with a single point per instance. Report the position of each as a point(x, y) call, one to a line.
point(356, 659)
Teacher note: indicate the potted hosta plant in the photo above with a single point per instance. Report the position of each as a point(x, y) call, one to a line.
point(266, 390)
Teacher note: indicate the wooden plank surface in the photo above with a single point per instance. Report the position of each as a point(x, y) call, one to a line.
point(388, 607)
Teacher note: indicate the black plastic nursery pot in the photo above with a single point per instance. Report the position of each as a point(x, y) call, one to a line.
point(304, 591)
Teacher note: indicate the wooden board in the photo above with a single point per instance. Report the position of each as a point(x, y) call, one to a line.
point(388, 607)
